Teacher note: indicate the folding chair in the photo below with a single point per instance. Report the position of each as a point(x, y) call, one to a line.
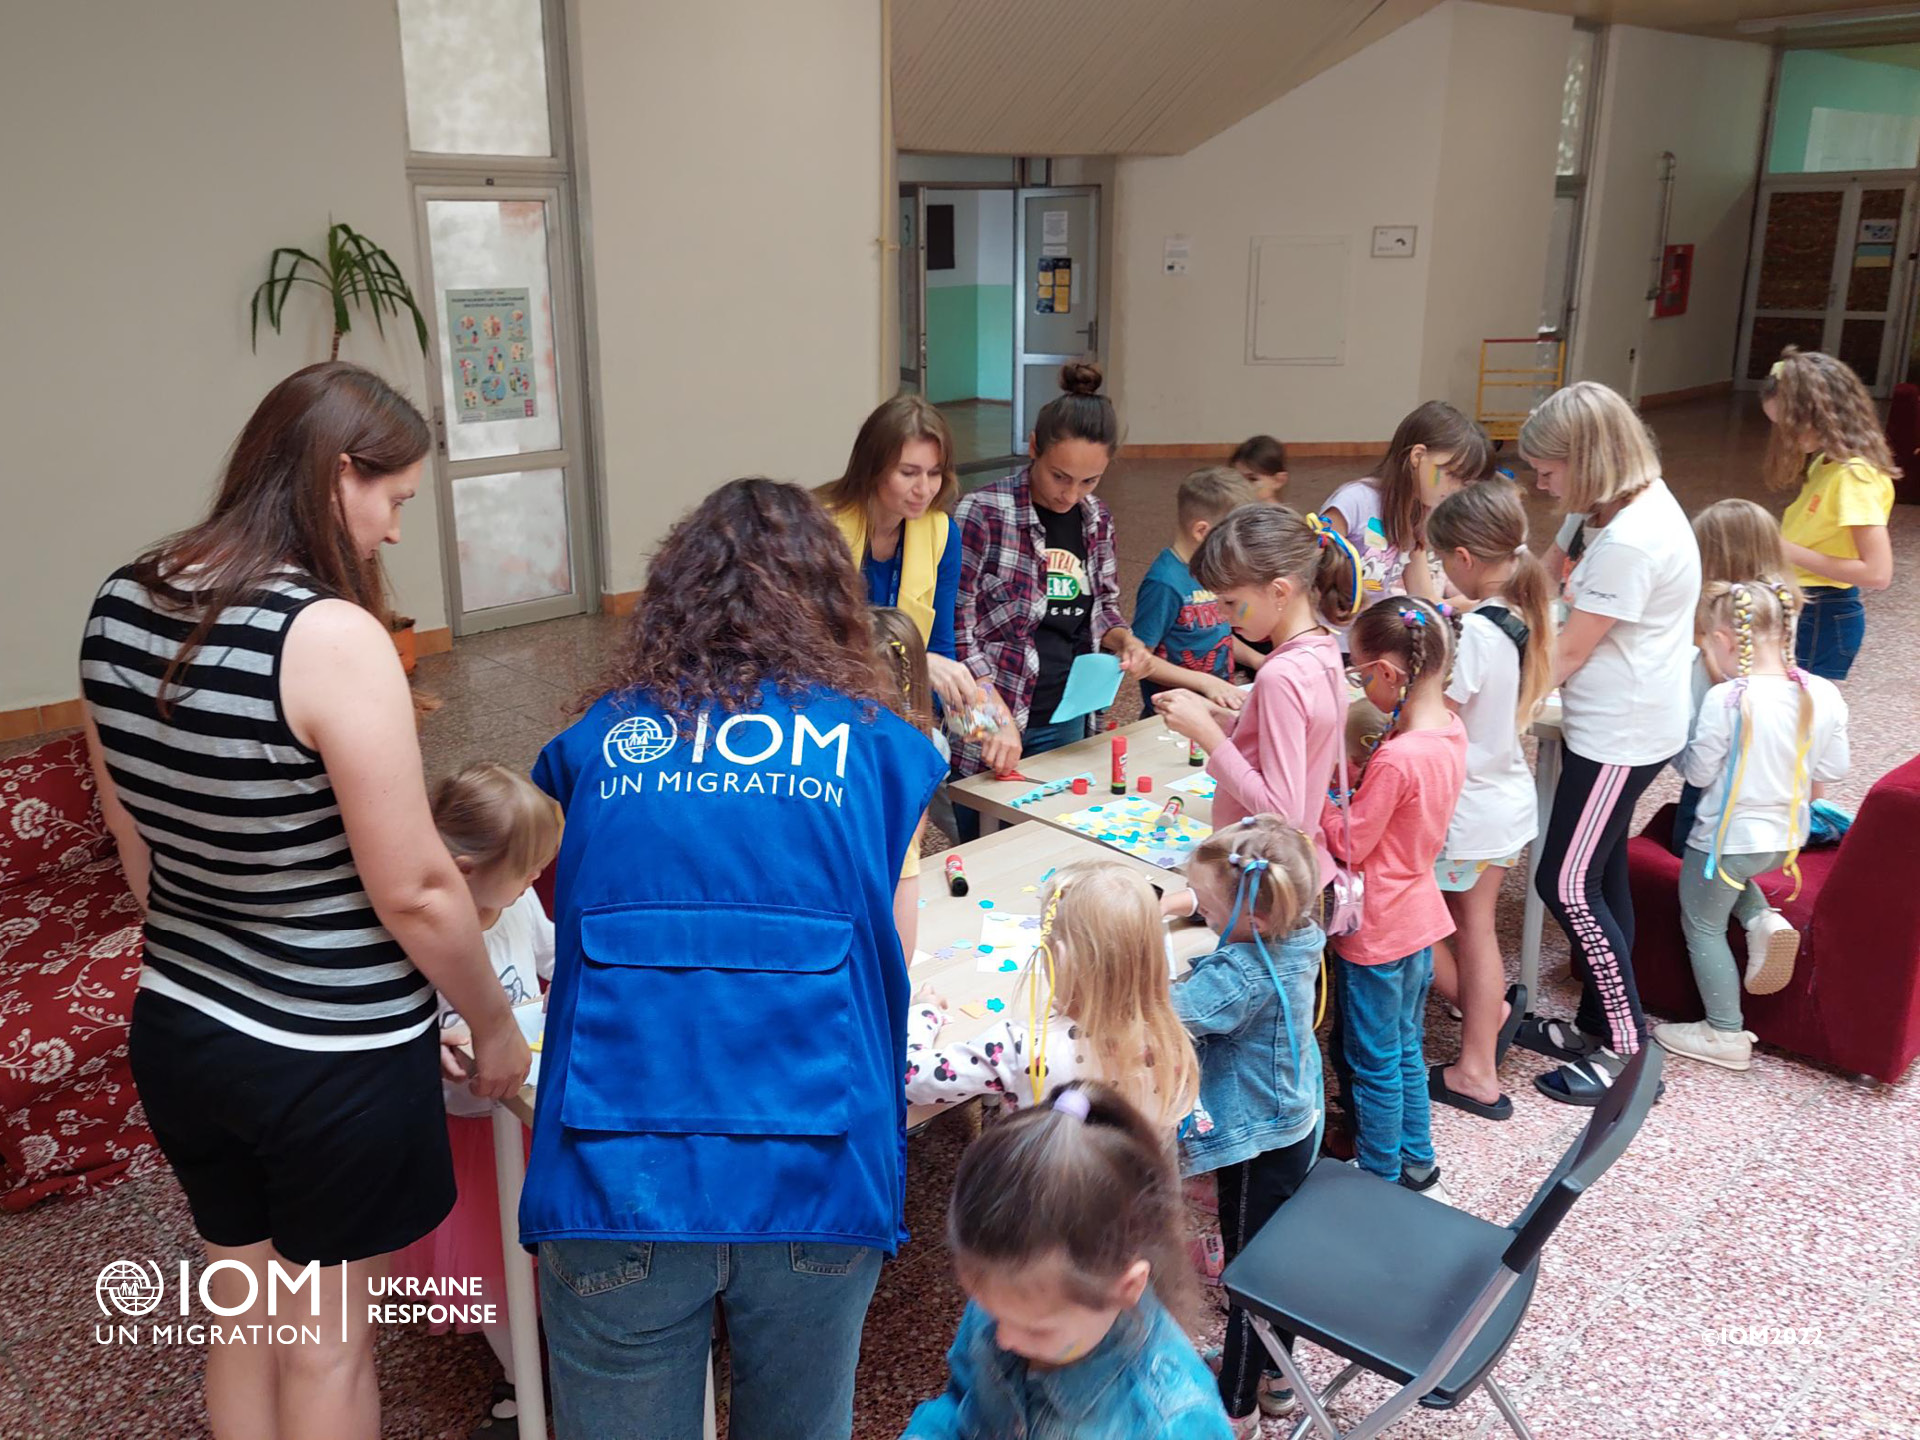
point(1403, 1286)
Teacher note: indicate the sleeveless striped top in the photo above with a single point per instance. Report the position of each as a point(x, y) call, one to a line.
point(257, 917)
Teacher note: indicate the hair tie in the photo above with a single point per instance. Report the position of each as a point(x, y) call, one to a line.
point(1519, 549)
point(1778, 366)
point(1074, 1103)
point(1412, 616)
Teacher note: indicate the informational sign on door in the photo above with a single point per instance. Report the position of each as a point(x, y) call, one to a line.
point(1053, 233)
point(492, 355)
point(1175, 255)
point(1053, 292)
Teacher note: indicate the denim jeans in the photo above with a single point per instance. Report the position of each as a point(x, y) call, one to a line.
point(630, 1325)
point(1832, 624)
point(1386, 1023)
point(1034, 740)
point(1706, 904)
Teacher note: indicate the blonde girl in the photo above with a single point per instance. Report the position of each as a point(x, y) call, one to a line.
point(1738, 540)
point(1764, 737)
point(1092, 1003)
point(904, 658)
point(1250, 1008)
point(1502, 670)
point(1435, 451)
point(1621, 661)
point(502, 831)
point(1827, 438)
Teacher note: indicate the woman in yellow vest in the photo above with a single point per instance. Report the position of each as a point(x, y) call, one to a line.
point(891, 506)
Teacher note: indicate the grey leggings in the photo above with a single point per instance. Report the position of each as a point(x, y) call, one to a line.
point(1705, 903)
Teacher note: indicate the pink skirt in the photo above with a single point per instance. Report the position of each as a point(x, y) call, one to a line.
point(466, 1245)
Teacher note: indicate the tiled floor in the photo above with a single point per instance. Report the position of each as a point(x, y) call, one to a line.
point(1749, 1271)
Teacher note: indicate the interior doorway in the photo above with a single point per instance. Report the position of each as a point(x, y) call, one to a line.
point(957, 312)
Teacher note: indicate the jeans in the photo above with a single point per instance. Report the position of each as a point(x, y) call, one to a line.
point(1251, 1193)
point(1832, 625)
point(1034, 740)
point(630, 1326)
point(1386, 1022)
point(1706, 902)
point(1581, 874)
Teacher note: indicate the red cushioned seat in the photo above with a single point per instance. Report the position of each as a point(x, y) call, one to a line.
point(1854, 1000)
point(69, 963)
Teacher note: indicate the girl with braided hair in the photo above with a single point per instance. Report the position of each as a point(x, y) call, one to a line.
point(1764, 737)
point(1827, 437)
point(1393, 832)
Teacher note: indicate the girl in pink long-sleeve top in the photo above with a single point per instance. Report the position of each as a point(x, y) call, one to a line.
point(1277, 573)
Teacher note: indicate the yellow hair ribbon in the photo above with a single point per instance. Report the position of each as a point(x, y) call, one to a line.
point(1040, 1014)
point(1733, 791)
point(1800, 780)
point(1325, 532)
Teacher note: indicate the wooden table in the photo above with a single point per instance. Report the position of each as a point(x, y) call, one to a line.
point(1152, 750)
point(999, 868)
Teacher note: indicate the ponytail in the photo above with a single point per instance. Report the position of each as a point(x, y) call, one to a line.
point(1489, 521)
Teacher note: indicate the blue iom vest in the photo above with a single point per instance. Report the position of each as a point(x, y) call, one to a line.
point(725, 1036)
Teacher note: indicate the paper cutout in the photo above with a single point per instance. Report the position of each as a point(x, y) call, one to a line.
point(976, 1011)
point(996, 1006)
point(1200, 785)
point(1131, 825)
point(1091, 685)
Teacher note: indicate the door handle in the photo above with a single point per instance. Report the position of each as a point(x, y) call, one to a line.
point(1092, 331)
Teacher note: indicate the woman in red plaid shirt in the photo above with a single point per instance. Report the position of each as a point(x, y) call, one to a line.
point(1038, 579)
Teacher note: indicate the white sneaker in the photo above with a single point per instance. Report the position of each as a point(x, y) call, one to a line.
point(1697, 1040)
point(1247, 1427)
point(1772, 945)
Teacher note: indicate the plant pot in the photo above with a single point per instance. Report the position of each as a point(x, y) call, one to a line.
point(404, 643)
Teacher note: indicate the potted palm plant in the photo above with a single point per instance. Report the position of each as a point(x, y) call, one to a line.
point(355, 272)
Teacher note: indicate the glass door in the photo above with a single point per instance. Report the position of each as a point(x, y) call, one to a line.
point(506, 413)
point(1056, 251)
point(1829, 274)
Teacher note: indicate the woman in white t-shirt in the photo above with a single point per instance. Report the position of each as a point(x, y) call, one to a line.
point(1434, 452)
point(1763, 739)
point(1502, 670)
point(1623, 662)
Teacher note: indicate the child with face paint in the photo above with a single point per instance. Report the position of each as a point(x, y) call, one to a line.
point(1064, 1228)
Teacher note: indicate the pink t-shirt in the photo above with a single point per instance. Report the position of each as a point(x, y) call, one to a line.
point(1279, 758)
point(1400, 816)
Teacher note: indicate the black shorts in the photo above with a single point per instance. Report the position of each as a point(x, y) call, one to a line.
point(332, 1155)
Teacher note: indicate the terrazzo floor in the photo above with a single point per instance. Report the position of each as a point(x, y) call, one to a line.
point(1750, 1270)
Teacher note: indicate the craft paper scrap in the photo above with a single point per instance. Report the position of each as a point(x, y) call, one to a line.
point(1091, 685)
point(976, 1011)
point(1006, 940)
point(1199, 786)
point(920, 957)
point(1132, 825)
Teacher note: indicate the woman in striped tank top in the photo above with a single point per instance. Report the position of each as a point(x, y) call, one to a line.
point(254, 743)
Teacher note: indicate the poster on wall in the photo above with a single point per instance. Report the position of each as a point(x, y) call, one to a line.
point(492, 355)
point(1053, 290)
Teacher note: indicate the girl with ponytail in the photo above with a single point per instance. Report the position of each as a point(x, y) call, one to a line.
point(1502, 670)
point(1764, 737)
point(1279, 576)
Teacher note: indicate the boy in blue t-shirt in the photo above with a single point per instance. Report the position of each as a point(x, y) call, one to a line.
point(1192, 639)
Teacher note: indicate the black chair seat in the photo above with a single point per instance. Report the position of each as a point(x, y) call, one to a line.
point(1380, 1275)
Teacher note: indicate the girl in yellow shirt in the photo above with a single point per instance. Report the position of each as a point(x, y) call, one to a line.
point(1827, 436)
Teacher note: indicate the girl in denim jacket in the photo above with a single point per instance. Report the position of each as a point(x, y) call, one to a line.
point(1249, 1007)
point(1064, 1228)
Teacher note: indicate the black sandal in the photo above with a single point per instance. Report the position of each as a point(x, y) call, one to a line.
point(1516, 1015)
point(1444, 1094)
point(1582, 1082)
point(1560, 1039)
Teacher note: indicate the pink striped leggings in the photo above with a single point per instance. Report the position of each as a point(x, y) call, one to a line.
point(1581, 874)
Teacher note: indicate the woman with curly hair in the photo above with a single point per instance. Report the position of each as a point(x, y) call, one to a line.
point(720, 1114)
point(1827, 440)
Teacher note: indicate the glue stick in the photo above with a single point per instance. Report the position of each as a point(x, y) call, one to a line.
point(1169, 812)
point(1195, 755)
point(956, 876)
point(1119, 786)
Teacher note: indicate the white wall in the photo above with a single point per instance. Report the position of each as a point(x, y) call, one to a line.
point(1705, 100)
point(734, 179)
point(1493, 197)
point(172, 147)
point(1419, 128)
